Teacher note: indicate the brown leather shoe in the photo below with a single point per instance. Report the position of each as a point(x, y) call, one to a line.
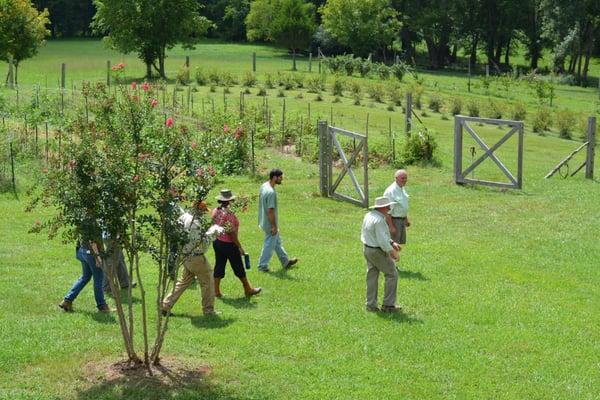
point(291, 263)
point(391, 309)
point(254, 292)
point(105, 309)
point(66, 305)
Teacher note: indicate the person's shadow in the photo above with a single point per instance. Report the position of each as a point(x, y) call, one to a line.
point(411, 275)
point(240, 302)
point(400, 317)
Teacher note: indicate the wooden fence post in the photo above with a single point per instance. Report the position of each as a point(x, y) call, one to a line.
point(187, 62)
point(366, 165)
point(11, 76)
point(591, 137)
point(408, 116)
point(469, 81)
point(283, 125)
point(254, 62)
point(63, 75)
point(252, 145)
point(310, 64)
point(319, 57)
point(323, 152)
point(12, 166)
point(108, 73)
point(457, 149)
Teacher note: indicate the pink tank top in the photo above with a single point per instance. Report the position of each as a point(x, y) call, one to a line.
point(227, 220)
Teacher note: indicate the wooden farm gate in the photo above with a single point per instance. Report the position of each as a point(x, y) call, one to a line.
point(328, 140)
point(462, 123)
point(590, 146)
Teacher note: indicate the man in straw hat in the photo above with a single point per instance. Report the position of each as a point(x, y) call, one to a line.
point(381, 252)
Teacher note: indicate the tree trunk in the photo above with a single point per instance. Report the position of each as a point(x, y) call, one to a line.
point(16, 64)
point(161, 63)
point(149, 70)
point(507, 55)
point(454, 54)
point(473, 57)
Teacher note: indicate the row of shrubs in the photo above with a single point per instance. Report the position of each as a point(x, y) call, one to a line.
point(564, 120)
point(350, 65)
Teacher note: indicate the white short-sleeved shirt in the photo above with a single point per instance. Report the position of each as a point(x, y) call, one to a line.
point(397, 194)
point(267, 199)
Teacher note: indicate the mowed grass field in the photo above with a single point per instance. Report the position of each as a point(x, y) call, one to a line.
point(500, 289)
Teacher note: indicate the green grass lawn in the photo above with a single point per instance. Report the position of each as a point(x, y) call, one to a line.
point(500, 289)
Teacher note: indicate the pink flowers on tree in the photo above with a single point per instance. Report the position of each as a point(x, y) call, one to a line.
point(154, 103)
point(145, 86)
point(118, 71)
point(169, 122)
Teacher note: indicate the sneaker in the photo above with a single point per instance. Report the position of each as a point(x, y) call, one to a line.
point(66, 305)
point(291, 263)
point(212, 313)
point(253, 292)
point(391, 309)
point(264, 269)
point(372, 309)
point(166, 313)
point(105, 309)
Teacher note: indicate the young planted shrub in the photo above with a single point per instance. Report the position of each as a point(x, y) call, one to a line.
point(334, 64)
point(542, 120)
point(420, 148)
point(227, 79)
point(316, 84)
point(269, 81)
point(261, 91)
point(214, 77)
point(376, 92)
point(249, 79)
point(200, 76)
point(364, 67)
point(398, 70)
point(455, 105)
point(298, 80)
point(565, 122)
point(383, 71)
point(435, 102)
point(395, 95)
point(494, 110)
point(417, 93)
point(285, 80)
point(337, 87)
point(349, 64)
point(473, 108)
point(183, 76)
point(518, 112)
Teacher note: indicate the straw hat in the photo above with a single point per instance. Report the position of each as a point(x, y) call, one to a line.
point(381, 202)
point(225, 195)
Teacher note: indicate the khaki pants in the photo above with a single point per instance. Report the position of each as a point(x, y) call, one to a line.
point(400, 235)
point(194, 267)
point(379, 261)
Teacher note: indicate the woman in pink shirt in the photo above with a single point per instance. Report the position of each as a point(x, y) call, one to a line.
point(227, 246)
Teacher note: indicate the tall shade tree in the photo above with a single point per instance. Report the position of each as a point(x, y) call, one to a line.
point(22, 31)
point(150, 27)
point(363, 25)
point(289, 23)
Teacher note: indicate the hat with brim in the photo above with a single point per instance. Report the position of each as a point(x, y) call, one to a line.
point(225, 195)
point(382, 202)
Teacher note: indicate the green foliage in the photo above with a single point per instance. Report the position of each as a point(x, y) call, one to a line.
point(22, 30)
point(249, 79)
point(200, 76)
point(420, 148)
point(289, 23)
point(456, 105)
point(261, 91)
point(395, 95)
point(383, 71)
point(214, 77)
point(398, 70)
point(183, 76)
point(298, 80)
point(376, 92)
point(435, 102)
point(130, 27)
point(337, 87)
point(334, 64)
point(363, 67)
point(285, 80)
point(361, 25)
point(269, 80)
point(565, 121)
point(518, 112)
point(316, 84)
point(473, 108)
point(542, 120)
point(494, 109)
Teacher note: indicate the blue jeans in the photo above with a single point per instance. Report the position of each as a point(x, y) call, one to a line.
point(272, 243)
point(89, 271)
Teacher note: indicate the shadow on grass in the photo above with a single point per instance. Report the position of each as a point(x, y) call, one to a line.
point(103, 318)
point(134, 300)
point(166, 382)
point(283, 273)
point(240, 302)
point(400, 317)
point(211, 322)
point(411, 275)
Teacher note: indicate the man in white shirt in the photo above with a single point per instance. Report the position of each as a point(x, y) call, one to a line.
point(195, 265)
point(381, 252)
point(397, 218)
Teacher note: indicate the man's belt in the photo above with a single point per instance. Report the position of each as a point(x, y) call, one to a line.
point(196, 254)
point(398, 217)
point(372, 247)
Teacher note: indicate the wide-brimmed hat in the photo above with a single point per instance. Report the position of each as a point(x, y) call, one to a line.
point(382, 202)
point(225, 195)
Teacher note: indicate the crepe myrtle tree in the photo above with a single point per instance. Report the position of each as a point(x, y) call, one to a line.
point(123, 176)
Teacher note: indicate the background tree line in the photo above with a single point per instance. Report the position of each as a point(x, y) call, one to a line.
point(566, 31)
